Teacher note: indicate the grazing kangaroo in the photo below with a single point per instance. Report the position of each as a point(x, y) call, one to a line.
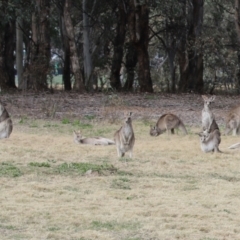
point(78, 138)
point(167, 122)
point(209, 141)
point(6, 125)
point(124, 138)
point(208, 119)
point(233, 121)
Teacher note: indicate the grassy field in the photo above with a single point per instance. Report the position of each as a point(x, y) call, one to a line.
point(52, 188)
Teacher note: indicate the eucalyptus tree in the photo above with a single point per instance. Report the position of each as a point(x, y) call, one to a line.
point(7, 43)
point(168, 33)
point(38, 44)
point(75, 63)
point(118, 43)
point(132, 31)
point(176, 31)
point(220, 45)
point(97, 37)
point(237, 24)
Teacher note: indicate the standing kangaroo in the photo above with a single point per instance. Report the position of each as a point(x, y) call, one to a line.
point(208, 119)
point(233, 121)
point(124, 138)
point(6, 125)
point(209, 141)
point(78, 138)
point(167, 122)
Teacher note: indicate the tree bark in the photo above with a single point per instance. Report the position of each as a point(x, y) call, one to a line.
point(131, 62)
point(87, 59)
point(39, 67)
point(142, 22)
point(19, 53)
point(76, 69)
point(138, 21)
point(237, 24)
point(191, 59)
point(66, 74)
point(8, 55)
point(118, 45)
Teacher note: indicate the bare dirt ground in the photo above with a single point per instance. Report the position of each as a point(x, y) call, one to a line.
point(111, 106)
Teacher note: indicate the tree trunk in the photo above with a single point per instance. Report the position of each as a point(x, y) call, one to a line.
point(87, 59)
point(8, 55)
point(76, 69)
point(118, 46)
point(19, 53)
point(7, 43)
point(191, 60)
point(237, 24)
point(138, 20)
point(131, 62)
point(66, 74)
point(142, 22)
point(39, 67)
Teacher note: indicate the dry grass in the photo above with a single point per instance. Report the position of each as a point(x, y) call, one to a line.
point(169, 190)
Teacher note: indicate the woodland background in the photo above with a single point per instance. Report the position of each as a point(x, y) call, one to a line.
point(123, 45)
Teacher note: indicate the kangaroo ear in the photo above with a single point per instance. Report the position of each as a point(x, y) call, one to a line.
point(213, 98)
point(204, 97)
point(200, 134)
point(130, 114)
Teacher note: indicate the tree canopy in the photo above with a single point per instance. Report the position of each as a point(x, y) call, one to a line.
point(122, 45)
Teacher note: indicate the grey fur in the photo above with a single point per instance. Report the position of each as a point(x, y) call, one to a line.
point(79, 139)
point(124, 138)
point(167, 122)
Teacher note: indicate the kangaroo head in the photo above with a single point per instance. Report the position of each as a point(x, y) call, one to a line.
point(208, 100)
point(203, 136)
point(153, 131)
point(77, 136)
point(128, 118)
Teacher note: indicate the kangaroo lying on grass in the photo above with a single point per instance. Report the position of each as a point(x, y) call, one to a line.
point(124, 138)
point(6, 125)
point(209, 142)
point(78, 138)
point(208, 119)
point(167, 122)
point(233, 121)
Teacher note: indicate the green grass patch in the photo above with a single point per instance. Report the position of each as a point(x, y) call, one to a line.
point(82, 168)
point(114, 225)
point(23, 119)
point(9, 170)
point(121, 183)
point(81, 125)
point(89, 117)
point(37, 164)
point(66, 121)
point(8, 227)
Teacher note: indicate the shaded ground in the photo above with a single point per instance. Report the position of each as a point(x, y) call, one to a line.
point(111, 106)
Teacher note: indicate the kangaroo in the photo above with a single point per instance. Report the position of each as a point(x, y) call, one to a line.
point(209, 142)
point(167, 122)
point(78, 138)
point(236, 145)
point(6, 125)
point(208, 119)
point(233, 121)
point(124, 137)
